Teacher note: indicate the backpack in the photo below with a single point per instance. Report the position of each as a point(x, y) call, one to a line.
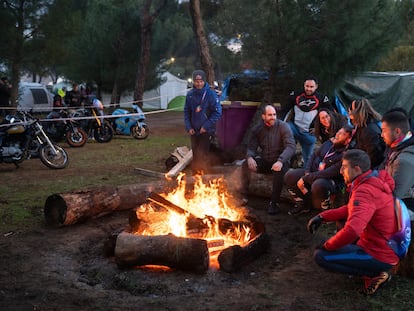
point(400, 240)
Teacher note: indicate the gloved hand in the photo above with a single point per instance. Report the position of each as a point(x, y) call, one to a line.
point(314, 223)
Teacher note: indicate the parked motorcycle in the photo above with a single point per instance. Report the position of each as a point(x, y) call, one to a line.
point(65, 129)
point(22, 137)
point(94, 125)
point(133, 125)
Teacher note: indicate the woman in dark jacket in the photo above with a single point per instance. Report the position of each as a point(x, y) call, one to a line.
point(367, 132)
point(328, 123)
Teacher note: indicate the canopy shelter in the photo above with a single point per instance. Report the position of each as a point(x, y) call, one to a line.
point(385, 90)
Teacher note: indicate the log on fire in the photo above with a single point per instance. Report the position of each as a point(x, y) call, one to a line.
point(166, 250)
point(196, 226)
point(76, 206)
point(234, 257)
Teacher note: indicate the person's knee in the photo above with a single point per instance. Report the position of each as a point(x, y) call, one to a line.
point(319, 257)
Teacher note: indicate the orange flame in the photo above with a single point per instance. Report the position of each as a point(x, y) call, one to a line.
point(222, 224)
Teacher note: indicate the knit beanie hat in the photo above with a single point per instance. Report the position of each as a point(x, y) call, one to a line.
point(199, 74)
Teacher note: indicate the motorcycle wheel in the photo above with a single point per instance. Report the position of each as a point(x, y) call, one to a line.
point(76, 137)
point(48, 158)
point(103, 134)
point(140, 133)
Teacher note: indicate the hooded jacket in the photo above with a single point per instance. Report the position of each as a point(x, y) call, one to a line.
point(202, 109)
point(370, 217)
point(331, 157)
point(399, 163)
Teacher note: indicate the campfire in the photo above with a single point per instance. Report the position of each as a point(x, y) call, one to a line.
point(191, 230)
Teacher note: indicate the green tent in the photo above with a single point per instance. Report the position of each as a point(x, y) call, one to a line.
point(385, 90)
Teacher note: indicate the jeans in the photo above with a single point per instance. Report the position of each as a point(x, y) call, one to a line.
point(306, 140)
point(321, 189)
point(351, 260)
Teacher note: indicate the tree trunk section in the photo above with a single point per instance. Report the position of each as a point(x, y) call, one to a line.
point(147, 20)
point(234, 257)
point(202, 42)
point(68, 208)
point(166, 250)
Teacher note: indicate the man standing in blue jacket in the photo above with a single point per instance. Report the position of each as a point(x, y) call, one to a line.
point(202, 110)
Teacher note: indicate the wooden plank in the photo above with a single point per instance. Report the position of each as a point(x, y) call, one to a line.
point(181, 165)
point(149, 173)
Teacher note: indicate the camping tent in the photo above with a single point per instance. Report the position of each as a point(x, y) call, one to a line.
point(170, 88)
point(34, 96)
point(158, 98)
point(385, 90)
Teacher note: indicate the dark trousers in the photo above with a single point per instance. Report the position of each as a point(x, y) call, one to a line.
point(350, 259)
point(265, 167)
point(200, 145)
point(320, 190)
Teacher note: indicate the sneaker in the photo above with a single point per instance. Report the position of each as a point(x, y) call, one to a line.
point(273, 209)
point(371, 285)
point(299, 209)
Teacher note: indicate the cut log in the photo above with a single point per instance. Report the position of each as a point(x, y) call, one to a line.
point(166, 250)
point(234, 257)
point(161, 201)
point(151, 221)
point(76, 206)
point(261, 184)
point(181, 165)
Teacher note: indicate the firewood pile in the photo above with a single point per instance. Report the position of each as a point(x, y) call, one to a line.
point(190, 253)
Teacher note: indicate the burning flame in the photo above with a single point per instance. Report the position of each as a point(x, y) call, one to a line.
point(209, 207)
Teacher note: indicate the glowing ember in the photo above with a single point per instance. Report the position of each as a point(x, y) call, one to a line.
point(207, 213)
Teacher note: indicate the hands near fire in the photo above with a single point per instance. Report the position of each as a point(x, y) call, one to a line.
point(192, 131)
point(277, 166)
point(301, 186)
point(251, 163)
point(314, 223)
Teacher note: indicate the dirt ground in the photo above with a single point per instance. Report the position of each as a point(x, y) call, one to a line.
point(66, 269)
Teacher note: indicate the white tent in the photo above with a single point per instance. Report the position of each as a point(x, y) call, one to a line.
point(34, 96)
point(171, 88)
point(158, 98)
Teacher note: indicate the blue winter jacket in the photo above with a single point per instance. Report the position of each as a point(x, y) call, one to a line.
point(202, 109)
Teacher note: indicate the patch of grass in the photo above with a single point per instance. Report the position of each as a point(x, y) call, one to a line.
point(27, 188)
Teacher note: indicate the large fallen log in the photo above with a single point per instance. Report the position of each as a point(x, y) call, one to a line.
point(234, 257)
point(76, 206)
point(166, 250)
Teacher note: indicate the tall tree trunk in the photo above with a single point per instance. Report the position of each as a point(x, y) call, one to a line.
point(202, 43)
point(147, 20)
point(114, 95)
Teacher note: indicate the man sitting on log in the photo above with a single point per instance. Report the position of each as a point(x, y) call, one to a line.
point(277, 146)
point(313, 185)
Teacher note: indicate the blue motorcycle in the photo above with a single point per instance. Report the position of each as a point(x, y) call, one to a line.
point(133, 125)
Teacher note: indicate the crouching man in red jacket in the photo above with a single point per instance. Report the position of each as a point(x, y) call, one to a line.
point(360, 247)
